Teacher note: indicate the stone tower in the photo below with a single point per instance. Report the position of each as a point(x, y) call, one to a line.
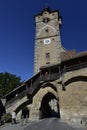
point(47, 39)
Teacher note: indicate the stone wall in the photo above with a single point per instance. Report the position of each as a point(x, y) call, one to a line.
point(72, 101)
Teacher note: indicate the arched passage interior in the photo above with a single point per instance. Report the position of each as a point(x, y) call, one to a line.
point(49, 106)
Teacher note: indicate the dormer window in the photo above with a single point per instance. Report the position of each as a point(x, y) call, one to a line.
point(45, 13)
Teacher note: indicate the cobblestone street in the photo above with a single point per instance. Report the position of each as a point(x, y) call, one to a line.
point(45, 124)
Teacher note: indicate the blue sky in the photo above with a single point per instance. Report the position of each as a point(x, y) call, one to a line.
point(17, 31)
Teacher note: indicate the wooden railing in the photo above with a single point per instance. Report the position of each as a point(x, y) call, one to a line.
point(15, 99)
point(54, 76)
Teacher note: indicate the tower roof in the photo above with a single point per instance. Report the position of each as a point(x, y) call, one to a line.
point(48, 10)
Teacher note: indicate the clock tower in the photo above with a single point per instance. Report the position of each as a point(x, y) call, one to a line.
point(47, 39)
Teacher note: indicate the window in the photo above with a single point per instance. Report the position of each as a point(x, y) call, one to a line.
point(41, 41)
point(47, 30)
point(47, 62)
point(45, 13)
point(48, 55)
point(46, 20)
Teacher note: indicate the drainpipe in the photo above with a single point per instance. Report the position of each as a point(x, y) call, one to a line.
point(49, 74)
point(59, 72)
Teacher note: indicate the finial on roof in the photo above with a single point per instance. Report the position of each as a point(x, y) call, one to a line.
point(46, 5)
point(46, 8)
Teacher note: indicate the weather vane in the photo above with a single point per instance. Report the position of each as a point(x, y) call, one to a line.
point(46, 5)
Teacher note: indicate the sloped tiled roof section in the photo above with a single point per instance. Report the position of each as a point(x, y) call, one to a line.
point(67, 55)
point(71, 54)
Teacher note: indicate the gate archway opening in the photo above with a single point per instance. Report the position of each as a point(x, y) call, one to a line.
point(49, 106)
point(25, 113)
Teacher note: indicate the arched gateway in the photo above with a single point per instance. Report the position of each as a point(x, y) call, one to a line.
point(49, 106)
point(45, 102)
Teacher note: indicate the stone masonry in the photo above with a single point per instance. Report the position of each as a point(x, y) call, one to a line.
point(47, 39)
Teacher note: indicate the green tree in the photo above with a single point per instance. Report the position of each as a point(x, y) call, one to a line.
point(8, 82)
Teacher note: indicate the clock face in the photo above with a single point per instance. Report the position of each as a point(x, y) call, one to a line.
point(47, 41)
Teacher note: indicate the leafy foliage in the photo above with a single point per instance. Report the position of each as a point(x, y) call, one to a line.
point(8, 82)
point(7, 117)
